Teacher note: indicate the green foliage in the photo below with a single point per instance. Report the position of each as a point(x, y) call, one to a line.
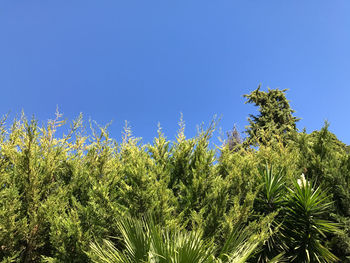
point(143, 241)
point(146, 242)
point(272, 195)
point(305, 224)
point(325, 159)
point(59, 194)
point(271, 200)
point(276, 116)
point(173, 201)
point(299, 229)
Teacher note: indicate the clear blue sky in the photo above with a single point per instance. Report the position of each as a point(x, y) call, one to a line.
point(147, 61)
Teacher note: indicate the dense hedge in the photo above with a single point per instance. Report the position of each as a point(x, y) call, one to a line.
point(61, 196)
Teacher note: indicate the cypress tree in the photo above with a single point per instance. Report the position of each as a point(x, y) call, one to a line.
point(275, 118)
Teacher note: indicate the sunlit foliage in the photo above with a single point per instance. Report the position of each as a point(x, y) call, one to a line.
point(73, 194)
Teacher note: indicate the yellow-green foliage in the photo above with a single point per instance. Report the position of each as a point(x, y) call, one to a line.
point(60, 193)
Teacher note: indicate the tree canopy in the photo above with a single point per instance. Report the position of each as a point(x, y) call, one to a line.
point(63, 198)
point(275, 115)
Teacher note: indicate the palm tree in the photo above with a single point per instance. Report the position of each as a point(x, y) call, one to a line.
point(298, 227)
point(145, 242)
point(271, 200)
point(304, 226)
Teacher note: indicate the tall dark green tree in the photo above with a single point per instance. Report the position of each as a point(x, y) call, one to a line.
point(275, 116)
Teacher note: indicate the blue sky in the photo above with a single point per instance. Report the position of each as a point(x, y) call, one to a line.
point(148, 61)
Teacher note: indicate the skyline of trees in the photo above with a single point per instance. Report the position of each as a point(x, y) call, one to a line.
point(83, 197)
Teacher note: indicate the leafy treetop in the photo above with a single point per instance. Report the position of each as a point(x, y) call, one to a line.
point(276, 115)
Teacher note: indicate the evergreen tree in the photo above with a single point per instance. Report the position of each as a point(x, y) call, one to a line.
point(275, 118)
point(59, 194)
